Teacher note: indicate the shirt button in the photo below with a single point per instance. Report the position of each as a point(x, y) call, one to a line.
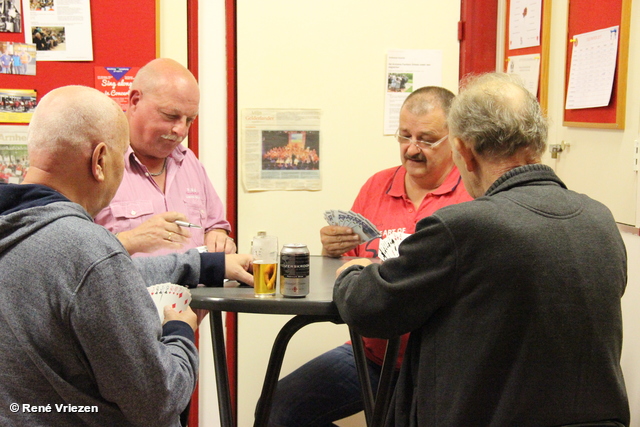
point(133, 212)
point(410, 210)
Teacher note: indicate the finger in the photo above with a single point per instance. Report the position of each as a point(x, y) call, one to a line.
point(230, 246)
point(339, 231)
point(173, 216)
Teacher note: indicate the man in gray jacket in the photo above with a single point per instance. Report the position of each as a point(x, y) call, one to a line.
point(82, 340)
point(512, 299)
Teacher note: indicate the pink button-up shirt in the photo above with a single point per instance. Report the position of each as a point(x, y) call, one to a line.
point(187, 190)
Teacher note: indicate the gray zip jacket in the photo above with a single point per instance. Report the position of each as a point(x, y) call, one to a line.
point(82, 343)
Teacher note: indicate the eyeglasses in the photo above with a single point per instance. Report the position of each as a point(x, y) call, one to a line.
point(418, 142)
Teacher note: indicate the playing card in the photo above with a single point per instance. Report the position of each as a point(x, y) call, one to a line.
point(389, 244)
point(178, 297)
point(358, 223)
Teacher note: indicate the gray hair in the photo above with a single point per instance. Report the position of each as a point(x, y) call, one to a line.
point(73, 119)
point(425, 99)
point(498, 117)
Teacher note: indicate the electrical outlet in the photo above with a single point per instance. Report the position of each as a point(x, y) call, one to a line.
point(636, 155)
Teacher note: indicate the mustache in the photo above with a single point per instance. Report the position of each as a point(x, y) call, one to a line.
point(419, 157)
point(174, 138)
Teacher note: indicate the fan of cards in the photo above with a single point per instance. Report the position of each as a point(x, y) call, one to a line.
point(389, 245)
point(359, 224)
point(178, 297)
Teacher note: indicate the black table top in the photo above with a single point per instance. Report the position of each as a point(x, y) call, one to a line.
point(319, 301)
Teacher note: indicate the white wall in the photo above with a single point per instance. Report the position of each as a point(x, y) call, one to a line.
point(328, 55)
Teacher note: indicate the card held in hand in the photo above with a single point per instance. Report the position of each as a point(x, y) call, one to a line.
point(359, 224)
point(178, 297)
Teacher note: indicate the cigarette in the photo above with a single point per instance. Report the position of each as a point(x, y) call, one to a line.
point(187, 224)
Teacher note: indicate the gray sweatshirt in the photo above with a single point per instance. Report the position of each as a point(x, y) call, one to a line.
point(82, 340)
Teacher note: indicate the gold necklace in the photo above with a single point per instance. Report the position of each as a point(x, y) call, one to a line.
point(164, 166)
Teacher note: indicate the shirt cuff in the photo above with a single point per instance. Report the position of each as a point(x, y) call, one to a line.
point(180, 328)
point(212, 265)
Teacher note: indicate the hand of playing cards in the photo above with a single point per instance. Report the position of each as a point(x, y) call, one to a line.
point(389, 245)
point(178, 297)
point(359, 224)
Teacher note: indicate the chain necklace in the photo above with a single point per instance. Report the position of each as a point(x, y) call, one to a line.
point(164, 166)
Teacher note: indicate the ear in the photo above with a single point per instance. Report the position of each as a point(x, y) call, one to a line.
point(134, 97)
point(98, 161)
point(467, 154)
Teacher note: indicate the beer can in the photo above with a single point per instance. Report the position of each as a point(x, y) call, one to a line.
point(294, 270)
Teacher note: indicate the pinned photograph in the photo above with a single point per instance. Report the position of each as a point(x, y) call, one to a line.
point(49, 38)
point(10, 16)
point(18, 58)
point(17, 105)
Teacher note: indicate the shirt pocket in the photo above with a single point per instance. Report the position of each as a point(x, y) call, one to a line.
point(131, 214)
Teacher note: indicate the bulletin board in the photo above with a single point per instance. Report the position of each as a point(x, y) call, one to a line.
point(124, 35)
point(590, 15)
point(542, 50)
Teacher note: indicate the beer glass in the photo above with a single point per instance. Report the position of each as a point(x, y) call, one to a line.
point(264, 249)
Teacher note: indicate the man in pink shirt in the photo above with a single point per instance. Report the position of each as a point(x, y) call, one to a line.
point(164, 182)
point(327, 389)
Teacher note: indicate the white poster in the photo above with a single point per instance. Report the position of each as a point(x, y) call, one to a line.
point(408, 70)
point(593, 66)
point(61, 30)
point(525, 18)
point(281, 149)
point(527, 67)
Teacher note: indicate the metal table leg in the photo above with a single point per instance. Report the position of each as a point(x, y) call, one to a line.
point(363, 375)
point(386, 384)
point(220, 364)
point(263, 409)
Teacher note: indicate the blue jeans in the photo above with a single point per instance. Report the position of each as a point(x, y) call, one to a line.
point(321, 391)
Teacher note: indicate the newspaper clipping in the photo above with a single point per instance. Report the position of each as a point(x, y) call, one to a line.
point(281, 149)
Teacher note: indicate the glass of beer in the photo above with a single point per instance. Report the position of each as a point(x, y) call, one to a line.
point(264, 249)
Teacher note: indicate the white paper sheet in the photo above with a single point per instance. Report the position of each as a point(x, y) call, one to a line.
point(528, 68)
point(525, 18)
point(408, 70)
point(593, 66)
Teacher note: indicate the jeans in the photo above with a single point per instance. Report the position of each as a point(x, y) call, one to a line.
point(321, 391)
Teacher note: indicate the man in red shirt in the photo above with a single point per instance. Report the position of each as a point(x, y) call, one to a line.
point(327, 389)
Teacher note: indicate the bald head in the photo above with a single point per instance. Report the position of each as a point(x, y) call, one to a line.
point(69, 122)
point(76, 143)
point(162, 73)
point(163, 103)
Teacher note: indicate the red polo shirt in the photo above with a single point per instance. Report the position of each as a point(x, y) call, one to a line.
point(384, 201)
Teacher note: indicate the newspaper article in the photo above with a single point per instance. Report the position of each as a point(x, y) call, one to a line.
point(61, 30)
point(281, 149)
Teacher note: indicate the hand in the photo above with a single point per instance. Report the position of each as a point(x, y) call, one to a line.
point(158, 232)
point(187, 316)
point(237, 267)
point(337, 240)
point(358, 261)
point(218, 241)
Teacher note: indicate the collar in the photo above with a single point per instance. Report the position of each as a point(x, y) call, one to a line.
point(178, 154)
point(525, 175)
point(397, 189)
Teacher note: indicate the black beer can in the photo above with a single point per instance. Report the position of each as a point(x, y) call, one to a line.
point(294, 270)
